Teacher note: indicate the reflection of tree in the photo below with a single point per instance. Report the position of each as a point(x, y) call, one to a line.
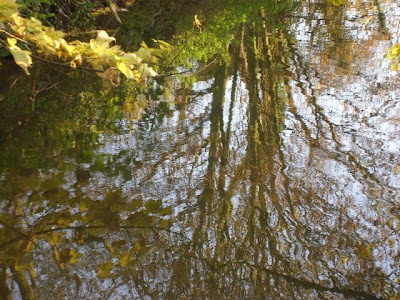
point(246, 212)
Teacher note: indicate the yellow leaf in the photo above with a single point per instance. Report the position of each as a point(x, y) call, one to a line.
point(136, 247)
point(11, 41)
point(197, 23)
point(76, 62)
point(345, 259)
point(144, 53)
point(130, 59)
point(103, 38)
point(163, 45)
point(82, 206)
point(19, 21)
point(101, 42)
point(395, 67)
point(74, 257)
point(64, 50)
point(7, 9)
point(105, 270)
point(22, 58)
point(55, 238)
point(396, 169)
point(145, 70)
point(125, 70)
point(124, 259)
point(393, 51)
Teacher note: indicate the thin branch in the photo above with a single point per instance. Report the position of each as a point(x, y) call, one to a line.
point(19, 232)
point(89, 227)
point(103, 227)
point(13, 36)
point(190, 72)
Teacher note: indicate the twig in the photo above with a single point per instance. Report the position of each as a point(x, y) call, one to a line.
point(123, 227)
point(111, 5)
point(13, 36)
point(191, 72)
point(65, 65)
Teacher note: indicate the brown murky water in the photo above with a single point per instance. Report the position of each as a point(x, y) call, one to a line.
point(274, 176)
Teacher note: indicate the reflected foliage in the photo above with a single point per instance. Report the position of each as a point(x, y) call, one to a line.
point(257, 178)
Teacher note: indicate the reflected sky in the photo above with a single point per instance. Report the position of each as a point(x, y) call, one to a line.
point(280, 166)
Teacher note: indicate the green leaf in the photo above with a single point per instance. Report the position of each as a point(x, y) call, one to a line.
point(153, 206)
point(135, 204)
point(165, 211)
point(117, 245)
point(140, 219)
point(144, 53)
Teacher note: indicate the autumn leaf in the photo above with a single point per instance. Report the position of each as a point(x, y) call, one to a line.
point(197, 23)
point(130, 59)
point(146, 71)
point(22, 57)
point(82, 206)
point(101, 42)
point(97, 52)
point(105, 270)
point(125, 69)
point(7, 9)
point(111, 78)
point(124, 259)
point(337, 2)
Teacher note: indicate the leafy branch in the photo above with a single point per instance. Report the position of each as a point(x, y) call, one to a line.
point(109, 61)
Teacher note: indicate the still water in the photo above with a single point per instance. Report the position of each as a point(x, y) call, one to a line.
point(273, 173)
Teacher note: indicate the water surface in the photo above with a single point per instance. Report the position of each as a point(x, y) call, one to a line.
point(273, 173)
